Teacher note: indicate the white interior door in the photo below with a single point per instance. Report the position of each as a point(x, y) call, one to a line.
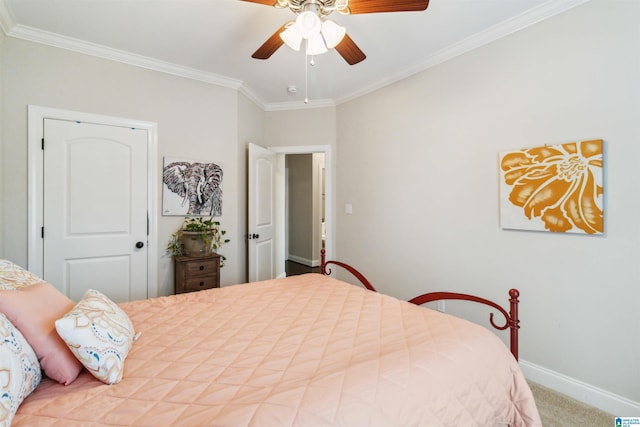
point(95, 209)
point(262, 213)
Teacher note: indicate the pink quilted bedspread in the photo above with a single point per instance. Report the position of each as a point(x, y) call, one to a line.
point(303, 351)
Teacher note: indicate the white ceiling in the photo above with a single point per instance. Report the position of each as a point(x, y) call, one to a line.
point(212, 40)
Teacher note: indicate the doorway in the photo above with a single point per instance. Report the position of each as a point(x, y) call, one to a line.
point(304, 212)
point(268, 260)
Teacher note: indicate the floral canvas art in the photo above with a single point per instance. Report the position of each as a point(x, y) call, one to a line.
point(554, 188)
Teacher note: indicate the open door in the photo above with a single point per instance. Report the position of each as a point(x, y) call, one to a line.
point(262, 213)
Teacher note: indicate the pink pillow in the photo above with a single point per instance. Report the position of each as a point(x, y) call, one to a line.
point(34, 310)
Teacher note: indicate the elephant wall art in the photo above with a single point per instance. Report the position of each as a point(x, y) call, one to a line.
point(191, 188)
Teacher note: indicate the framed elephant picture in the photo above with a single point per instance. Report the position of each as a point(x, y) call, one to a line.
point(191, 187)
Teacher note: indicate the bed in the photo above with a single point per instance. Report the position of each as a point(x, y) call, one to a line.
point(307, 350)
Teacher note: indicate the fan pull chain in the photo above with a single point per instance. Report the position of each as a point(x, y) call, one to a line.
point(306, 79)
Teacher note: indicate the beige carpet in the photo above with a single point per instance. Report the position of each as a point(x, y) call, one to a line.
point(557, 410)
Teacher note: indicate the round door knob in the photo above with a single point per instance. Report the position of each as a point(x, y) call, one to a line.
point(139, 245)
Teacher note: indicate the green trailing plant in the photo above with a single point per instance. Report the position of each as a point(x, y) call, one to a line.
point(206, 229)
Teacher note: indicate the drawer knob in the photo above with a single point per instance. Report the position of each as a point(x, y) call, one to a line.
point(201, 267)
point(201, 283)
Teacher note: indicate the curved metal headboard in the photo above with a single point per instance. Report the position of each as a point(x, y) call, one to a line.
point(511, 319)
point(327, 271)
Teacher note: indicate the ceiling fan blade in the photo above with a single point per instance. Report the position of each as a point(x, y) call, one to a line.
point(269, 47)
point(350, 51)
point(265, 2)
point(379, 6)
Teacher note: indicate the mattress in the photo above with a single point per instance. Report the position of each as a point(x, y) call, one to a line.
point(302, 351)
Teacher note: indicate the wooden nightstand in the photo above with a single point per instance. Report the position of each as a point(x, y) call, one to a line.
point(196, 273)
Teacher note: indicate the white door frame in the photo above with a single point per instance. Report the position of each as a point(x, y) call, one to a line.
point(35, 246)
point(329, 190)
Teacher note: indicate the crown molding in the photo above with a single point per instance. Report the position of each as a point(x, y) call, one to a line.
point(284, 106)
point(300, 105)
point(510, 26)
point(93, 49)
point(252, 95)
point(7, 22)
point(517, 23)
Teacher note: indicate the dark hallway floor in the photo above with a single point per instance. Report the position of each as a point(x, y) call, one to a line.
point(294, 268)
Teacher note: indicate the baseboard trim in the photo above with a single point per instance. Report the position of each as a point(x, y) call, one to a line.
point(593, 396)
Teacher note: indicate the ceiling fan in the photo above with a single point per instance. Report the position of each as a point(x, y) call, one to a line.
point(321, 34)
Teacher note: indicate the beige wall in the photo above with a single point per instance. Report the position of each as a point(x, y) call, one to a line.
point(251, 124)
point(2, 129)
point(418, 161)
point(313, 126)
point(195, 120)
point(300, 167)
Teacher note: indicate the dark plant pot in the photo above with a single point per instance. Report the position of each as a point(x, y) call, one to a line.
point(194, 245)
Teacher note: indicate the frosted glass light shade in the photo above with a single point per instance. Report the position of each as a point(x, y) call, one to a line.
point(308, 24)
point(332, 33)
point(292, 38)
point(315, 45)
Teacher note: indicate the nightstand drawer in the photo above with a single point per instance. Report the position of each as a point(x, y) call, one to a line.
point(196, 273)
point(202, 267)
point(198, 284)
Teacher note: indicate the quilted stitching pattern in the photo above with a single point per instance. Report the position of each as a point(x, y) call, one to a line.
point(307, 351)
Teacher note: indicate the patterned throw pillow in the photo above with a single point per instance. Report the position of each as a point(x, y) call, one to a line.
point(19, 370)
point(99, 334)
point(13, 276)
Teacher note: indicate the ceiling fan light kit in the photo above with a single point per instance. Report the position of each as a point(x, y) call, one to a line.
point(332, 33)
point(322, 34)
point(291, 37)
point(316, 46)
point(308, 24)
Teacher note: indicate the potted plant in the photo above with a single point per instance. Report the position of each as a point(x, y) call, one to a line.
point(198, 236)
